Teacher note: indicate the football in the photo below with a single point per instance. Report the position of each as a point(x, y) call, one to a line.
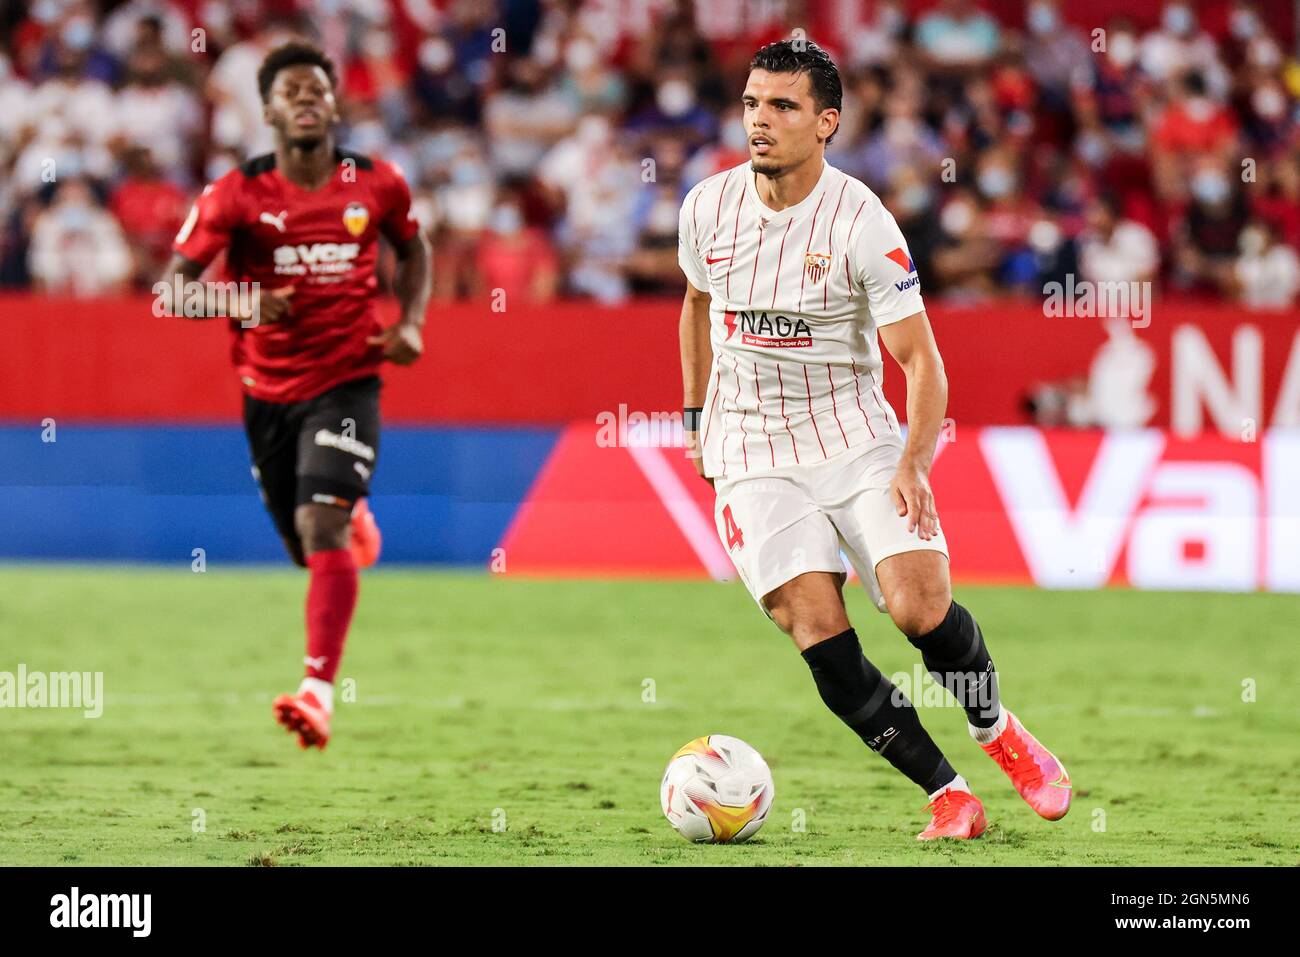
point(716, 790)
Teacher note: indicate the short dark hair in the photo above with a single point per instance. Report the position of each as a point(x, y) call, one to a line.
point(293, 53)
point(823, 76)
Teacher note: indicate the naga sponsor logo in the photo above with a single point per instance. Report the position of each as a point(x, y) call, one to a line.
point(900, 257)
point(773, 332)
point(344, 443)
point(316, 259)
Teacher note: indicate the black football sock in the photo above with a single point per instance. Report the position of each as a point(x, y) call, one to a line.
point(956, 658)
point(864, 699)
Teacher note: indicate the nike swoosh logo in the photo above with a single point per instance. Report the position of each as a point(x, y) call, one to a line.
point(1057, 783)
point(720, 259)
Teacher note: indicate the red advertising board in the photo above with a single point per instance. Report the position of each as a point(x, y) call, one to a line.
point(1062, 509)
point(1196, 367)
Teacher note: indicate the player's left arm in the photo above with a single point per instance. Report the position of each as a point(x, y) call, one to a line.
point(403, 342)
point(911, 342)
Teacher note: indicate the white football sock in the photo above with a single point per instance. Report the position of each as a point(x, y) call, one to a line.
point(989, 735)
point(956, 784)
point(323, 690)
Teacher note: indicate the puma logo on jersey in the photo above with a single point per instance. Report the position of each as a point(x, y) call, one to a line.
point(276, 221)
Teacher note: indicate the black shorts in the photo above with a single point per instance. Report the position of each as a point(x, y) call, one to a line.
point(320, 450)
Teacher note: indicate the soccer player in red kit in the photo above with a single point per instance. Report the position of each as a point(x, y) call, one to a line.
point(302, 226)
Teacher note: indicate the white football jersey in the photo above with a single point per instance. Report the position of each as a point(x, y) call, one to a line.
point(797, 297)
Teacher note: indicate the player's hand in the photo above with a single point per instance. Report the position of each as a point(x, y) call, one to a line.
point(696, 454)
point(402, 343)
point(911, 494)
point(270, 307)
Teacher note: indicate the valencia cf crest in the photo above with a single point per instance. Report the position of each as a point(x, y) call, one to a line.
point(356, 218)
point(816, 266)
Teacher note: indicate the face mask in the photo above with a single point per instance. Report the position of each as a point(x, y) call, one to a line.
point(1243, 24)
point(1123, 50)
point(675, 97)
point(914, 199)
point(368, 137)
point(734, 137)
point(78, 34)
point(377, 45)
point(663, 217)
point(892, 21)
point(1092, 149)
point(218, 166)
point(956, 218)
point(1044, 237)
point(1252, 241)
point(45, 11)
point(1178, 20)
point(1199, 108)
point(506, 220)
point(593, 130)
point(1209, 188)
point(1264, 53)
point(1268, 102)
point(995, 182)
point(467, 173)
point(435, 55)
point(900, 131)
point(75, 218)
point(1041, 20)
point(580, 56)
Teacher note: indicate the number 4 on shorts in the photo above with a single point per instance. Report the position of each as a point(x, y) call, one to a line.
point(735, 538)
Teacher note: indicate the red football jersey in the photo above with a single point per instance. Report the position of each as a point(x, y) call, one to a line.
point(324, 243)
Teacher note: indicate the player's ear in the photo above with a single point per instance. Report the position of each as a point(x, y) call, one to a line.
point(831, 121)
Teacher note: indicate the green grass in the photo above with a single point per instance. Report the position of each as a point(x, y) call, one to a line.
point(476, 693)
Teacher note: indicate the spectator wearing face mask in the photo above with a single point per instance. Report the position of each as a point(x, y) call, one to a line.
point(1179, 45)
point(1192, 128)
point(1266, 274)
point(1206, 242)
point(1056, 54)
point(515, 259)
point(1116, 249)
point(957, 37)
point(966, 257)
point(526, 118)
point(77, 248)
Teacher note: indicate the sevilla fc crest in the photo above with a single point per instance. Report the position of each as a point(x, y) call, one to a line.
point(356, 218)
point(816, 266)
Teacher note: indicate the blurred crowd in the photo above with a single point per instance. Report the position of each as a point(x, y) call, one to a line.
point(549, 143)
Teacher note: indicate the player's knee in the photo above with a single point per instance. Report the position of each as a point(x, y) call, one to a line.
point(808, 626)
point(918, 612)
point(321, 528)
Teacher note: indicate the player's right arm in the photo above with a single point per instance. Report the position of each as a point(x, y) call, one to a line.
point(693, 332)
point(205, 233)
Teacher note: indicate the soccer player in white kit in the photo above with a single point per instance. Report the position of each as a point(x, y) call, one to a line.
point(794, 268)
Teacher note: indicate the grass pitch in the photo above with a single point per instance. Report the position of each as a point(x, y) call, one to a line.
point(506, 721)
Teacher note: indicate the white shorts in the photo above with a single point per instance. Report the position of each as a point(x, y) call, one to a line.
point(782, 523)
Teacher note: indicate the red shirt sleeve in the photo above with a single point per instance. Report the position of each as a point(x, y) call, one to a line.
point(398, 223)
point(207, 229)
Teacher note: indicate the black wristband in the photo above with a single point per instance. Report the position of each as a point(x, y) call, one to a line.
point(691, 418)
